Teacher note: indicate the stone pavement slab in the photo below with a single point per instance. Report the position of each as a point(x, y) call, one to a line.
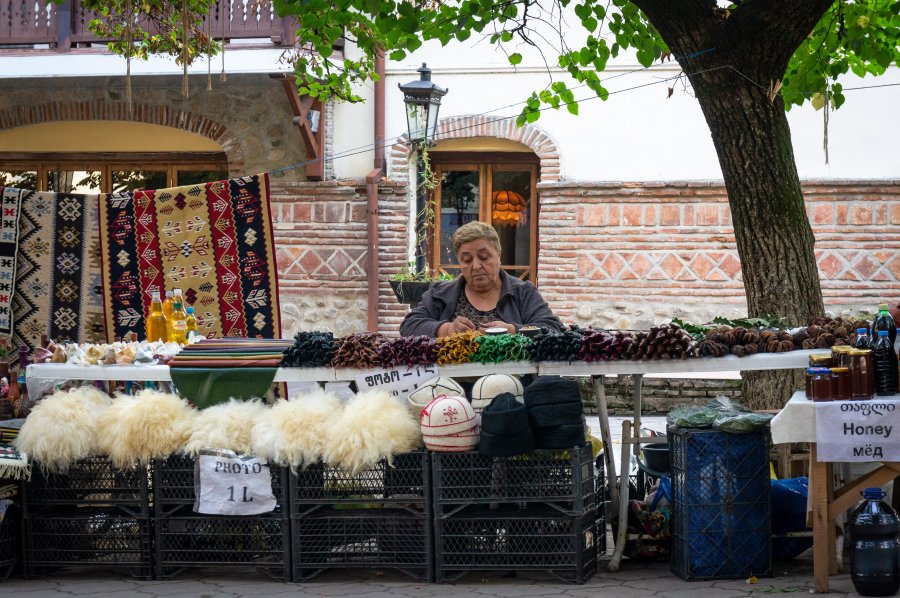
point(634, 580)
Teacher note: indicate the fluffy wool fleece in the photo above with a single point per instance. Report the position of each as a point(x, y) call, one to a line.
point(292, 433)
point(62, 428)
point(225, 426)
point(149, 425)
point(373, 425)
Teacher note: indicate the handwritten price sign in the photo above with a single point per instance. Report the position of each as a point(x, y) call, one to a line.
point(399, 382)
point(231, 484)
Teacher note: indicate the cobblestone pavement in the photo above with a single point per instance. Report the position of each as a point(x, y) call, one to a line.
point(634, 580)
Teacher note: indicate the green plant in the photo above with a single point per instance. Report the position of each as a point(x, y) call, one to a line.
point(410, 274)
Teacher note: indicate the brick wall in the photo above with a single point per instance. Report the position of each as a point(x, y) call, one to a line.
point(320, 249)
point(659, 395)
point(625, 255)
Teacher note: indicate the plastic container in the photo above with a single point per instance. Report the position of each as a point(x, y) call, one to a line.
point(863, 340)
point(876, 547)
point(885, 321)
point(885, 365)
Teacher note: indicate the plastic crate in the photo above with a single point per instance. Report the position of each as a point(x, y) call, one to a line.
point(405, 484)
point(87, 538)
point(90, 482)
point(602, 497)
point(562, 479)
point(722, 517)
point(517, 539)
point(8, 534)
point(199, 541)
point(173, 485)
point(362, 539)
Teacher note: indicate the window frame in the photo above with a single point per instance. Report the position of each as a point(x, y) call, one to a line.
point(485, 163)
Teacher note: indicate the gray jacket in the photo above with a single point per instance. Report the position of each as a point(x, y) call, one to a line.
point(520, 303)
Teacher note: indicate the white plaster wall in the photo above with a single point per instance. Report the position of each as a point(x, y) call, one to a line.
point(637, 134)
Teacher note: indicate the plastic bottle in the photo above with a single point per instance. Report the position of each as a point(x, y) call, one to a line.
point(177, 324)
point(876, 547)
point(884, 364)
point(190, 323)
point(885, 321)
point(167, 304)
point(863, 340)
point(156, 321)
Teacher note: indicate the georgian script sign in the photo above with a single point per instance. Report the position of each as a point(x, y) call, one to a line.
point(230, 484)
point(399, 381)
point(858, 430)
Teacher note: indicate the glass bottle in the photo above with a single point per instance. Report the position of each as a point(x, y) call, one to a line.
point(190, 324)
point(156, 321)
point(177, 324)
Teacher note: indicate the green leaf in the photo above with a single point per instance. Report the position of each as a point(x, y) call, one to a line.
point(515, 58)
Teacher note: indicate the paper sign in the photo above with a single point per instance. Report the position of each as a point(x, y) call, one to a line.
point(851, 431)
point(231, 484)
point(399, 382)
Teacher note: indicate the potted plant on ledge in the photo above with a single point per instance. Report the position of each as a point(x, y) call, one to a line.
point(409, 284)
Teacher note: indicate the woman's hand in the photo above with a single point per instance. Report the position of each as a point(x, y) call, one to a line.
point(460, 324)
point(510, 328)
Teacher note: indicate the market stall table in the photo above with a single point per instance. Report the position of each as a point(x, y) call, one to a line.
point(631, 437)
point(796, 422)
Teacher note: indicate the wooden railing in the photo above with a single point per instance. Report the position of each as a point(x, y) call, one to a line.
point(26, 23)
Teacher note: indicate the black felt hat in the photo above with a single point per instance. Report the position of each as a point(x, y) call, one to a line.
point(504, 415)
point(505, 430)
point(548, 416)
point(551, 390)
point(558, 437)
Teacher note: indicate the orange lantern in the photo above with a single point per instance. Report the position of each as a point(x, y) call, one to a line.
point(509, 209)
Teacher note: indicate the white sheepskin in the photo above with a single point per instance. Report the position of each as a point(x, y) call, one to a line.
point(62, 428)
point(292, 433)
point(149, 425)
point(225, 426)
point(373, 426)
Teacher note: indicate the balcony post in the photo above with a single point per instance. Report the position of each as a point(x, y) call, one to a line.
point(64, 26)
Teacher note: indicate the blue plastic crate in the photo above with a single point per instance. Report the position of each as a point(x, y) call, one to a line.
point(721, 518)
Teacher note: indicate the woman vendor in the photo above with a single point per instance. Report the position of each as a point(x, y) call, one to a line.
point(483, 297)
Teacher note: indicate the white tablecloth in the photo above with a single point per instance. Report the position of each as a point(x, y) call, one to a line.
point(796, 422)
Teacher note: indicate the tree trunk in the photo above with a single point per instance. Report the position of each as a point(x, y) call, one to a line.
point(753, 142)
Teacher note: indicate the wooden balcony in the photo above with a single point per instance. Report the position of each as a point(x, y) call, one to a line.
point(61, 27)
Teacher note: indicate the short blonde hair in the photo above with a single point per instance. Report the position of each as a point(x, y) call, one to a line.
point(473, 231)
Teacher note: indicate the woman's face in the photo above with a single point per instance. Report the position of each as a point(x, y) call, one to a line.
point(480, 264)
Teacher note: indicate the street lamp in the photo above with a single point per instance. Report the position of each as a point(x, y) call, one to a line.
point(423, 101)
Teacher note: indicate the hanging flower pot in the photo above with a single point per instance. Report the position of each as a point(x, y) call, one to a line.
point(410, 291)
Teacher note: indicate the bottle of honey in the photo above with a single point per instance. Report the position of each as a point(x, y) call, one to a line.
point(178, 324)
point(156, 321)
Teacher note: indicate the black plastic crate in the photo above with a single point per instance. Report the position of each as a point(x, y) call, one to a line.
point(378, 538)
point(602, 497)
point(87, 538)
point(517, 539)
point(189, 541)
point(722, 517)
point(89, 482)
point(405, 484)
point(562, 479)
point(8, 535)
point(173, 485)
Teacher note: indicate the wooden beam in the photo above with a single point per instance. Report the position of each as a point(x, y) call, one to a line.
point(313, 141)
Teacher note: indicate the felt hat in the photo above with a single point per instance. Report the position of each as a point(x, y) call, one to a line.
point(504, 428)
point(432, 389)
point(447, 415)
point(559, 437)
point(488, 387)
point(453, 443)
point(546, 416)
point(551, 390)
